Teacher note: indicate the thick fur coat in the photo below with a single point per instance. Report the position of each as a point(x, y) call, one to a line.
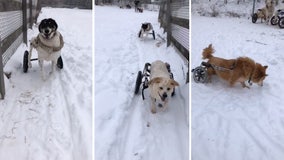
point(48, 44)
point(240, 70)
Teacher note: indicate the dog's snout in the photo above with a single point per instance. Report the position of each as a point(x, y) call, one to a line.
point(165, 95)
point(46, 31)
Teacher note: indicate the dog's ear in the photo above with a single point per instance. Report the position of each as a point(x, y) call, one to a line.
point(174, 83)
point(40, 25)
point(54, 22)
point(155, 80)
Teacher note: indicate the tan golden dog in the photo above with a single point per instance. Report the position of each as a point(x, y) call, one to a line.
point(267, 11)
point(161, 85)
point(261, 13)
point(235, 70)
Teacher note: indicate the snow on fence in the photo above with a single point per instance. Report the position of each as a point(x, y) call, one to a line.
point(15, 17)
point(174, 18)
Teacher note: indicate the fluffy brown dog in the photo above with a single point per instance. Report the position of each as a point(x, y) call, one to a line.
point(235, 70)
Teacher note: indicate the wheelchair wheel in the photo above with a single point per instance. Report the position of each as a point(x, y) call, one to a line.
point(139, 34)
point(25, 62)
point(254, 18)
point(200, 75)
point(59, 63)
point(138, 82)
point(281, 22)
point(274, 20)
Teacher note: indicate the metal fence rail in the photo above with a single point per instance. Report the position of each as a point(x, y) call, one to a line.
point(15, 17)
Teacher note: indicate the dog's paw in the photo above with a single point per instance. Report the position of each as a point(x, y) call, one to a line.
point(153, 110)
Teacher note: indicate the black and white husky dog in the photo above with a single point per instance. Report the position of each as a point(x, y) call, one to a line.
point(146, 28)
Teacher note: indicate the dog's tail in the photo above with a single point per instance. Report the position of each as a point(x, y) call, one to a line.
point(208, 52)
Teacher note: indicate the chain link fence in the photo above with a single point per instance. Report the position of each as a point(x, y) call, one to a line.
point(15, 18)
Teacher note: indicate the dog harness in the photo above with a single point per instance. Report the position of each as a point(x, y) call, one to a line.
point(219, 68)
point(46, 47)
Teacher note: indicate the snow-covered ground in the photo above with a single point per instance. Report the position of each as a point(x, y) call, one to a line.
point(217, 8)
point(52, 119)
point(125, 129)
point(234, 122)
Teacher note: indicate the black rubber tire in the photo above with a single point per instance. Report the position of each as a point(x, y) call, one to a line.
point(154, 36)
point(254, 18)
point(281, 22)
point(138, 82)
point(174, 92)
point(200, 75)
point(274, 20)
point(139, 34)
point(60, 63)
point(25, 62)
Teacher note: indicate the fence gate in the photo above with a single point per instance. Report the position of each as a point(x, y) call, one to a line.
point(15, 16)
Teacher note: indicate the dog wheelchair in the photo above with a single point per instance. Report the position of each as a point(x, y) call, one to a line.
point(200, 74)
point(26, 62)
point(144, 78)
point(153, 33)
point(255, 16)
point(278, 18)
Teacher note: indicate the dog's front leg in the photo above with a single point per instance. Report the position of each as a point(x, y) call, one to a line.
point(53, 65)
point(244, 85)
point(153, 106)
point(30, 55)
point(40, 63)
point(165, 106)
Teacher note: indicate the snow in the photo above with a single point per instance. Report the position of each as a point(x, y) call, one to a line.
point(234, 122)
point(52, 119)
point(125, 128)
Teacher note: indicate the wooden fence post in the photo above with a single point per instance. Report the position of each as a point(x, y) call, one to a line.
point(31, 13)
point(2, 84)
point(168, 21)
